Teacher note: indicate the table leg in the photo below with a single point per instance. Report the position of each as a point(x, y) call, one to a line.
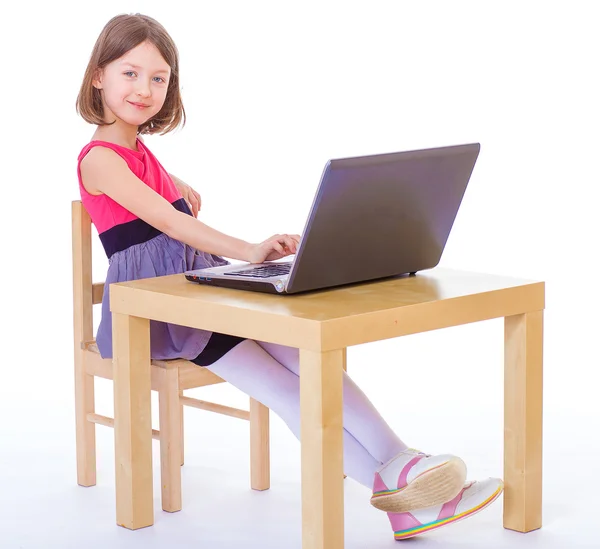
point(523, 360)
point(133, 421)
point(322, 449)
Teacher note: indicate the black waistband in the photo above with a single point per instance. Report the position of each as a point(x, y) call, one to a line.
point(120, 237)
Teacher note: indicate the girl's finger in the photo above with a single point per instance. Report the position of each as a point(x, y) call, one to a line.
point(290, 242)
point(194, 202)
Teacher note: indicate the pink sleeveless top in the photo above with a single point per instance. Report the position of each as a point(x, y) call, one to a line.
point(138, 250)
point(117, 227)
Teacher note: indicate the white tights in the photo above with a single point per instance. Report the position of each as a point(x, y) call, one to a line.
point(270, 373)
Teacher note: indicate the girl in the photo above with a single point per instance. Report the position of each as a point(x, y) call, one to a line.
point(147, 221)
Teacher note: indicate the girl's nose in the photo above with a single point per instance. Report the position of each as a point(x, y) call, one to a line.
point(143, 90)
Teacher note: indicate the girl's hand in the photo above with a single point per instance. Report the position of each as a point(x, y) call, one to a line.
point(276, 247)
point(191, 196)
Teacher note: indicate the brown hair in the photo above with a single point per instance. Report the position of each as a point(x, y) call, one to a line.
point(121, 34)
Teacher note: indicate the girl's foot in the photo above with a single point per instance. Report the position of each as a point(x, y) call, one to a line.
point(414, 480)
point(475, 496)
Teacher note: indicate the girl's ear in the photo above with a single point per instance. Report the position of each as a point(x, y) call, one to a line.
point(97, 79)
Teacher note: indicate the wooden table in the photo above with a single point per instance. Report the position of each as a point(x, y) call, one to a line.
point(322, 325)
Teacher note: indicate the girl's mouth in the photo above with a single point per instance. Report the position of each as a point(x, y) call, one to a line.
point(138, 105)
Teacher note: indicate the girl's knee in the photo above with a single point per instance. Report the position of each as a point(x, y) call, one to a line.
point(287, 356)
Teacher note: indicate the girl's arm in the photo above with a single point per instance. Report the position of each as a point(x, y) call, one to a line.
point(103, 171)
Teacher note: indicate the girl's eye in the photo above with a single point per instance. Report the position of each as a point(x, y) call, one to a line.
point(131, 72)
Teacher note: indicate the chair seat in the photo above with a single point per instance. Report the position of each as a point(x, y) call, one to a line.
point(190, 375)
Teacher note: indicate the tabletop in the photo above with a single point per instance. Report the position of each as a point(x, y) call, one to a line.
point(336, 317)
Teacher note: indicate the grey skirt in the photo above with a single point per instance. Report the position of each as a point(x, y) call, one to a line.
point(159, 256)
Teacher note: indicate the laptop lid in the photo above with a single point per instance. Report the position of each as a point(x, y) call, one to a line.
point(381, 215)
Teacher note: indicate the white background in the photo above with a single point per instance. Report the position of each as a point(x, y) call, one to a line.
point(272, 90)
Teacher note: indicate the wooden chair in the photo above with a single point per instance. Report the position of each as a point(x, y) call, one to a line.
point(170, 378)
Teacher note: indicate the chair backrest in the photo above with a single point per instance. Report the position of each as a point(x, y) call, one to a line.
point(85, 293)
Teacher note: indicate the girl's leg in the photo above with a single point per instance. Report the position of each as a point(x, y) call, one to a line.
point(407, 480)
point(252, 370)
point(361, 418)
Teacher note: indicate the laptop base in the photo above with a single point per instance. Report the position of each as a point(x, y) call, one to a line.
point(253, 284)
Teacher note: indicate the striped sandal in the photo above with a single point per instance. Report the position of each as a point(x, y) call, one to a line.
point(475, 496)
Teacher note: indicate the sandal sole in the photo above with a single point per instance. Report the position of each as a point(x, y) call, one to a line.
point(433, 487)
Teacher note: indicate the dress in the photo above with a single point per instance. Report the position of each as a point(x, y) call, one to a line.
point(137, 250)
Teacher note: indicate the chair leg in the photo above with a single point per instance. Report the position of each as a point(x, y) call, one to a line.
point(85, 431)
point(181, 407)
point(260, 468)
point(170, 439)
point(345, 366)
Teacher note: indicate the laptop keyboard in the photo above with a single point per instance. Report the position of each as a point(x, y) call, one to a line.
point(264, 271)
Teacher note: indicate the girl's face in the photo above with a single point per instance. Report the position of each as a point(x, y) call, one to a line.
point(134, 87)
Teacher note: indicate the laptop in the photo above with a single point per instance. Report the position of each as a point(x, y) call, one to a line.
point(372, 217)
